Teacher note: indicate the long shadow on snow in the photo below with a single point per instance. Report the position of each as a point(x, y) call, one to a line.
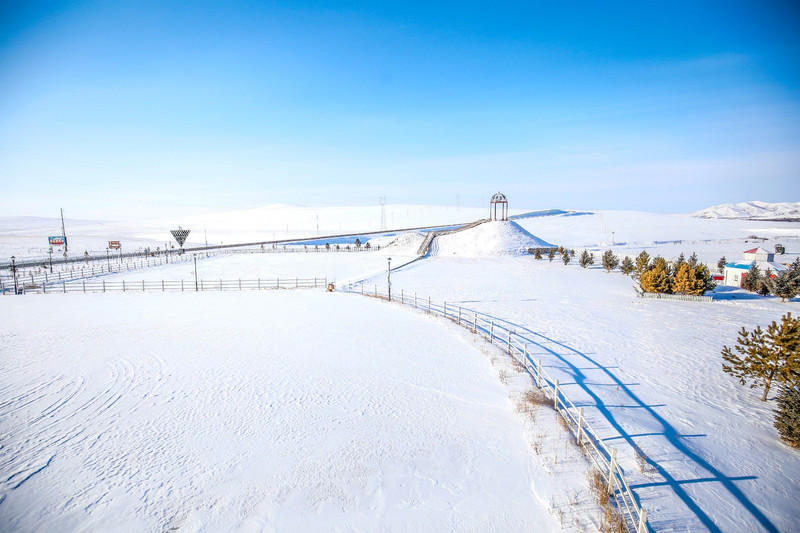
point(669, 432)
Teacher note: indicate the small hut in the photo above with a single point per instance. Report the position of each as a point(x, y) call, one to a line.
point(498, 200)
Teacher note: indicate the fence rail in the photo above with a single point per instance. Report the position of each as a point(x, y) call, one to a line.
point(601, 455)
point(676, 297)
point(94, 285)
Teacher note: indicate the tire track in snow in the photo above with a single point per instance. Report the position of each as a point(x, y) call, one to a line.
point(65, 423)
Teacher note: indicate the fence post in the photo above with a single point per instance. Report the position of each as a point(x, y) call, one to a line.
point(580, 425)
point(611, 468)
point(201, 285)
point(429, 304)
point(181, 284)
point(491, 332)
point(142, 285)
point(104, 285)
point(415, 300)
point(642, 527)
point(278, 283)
point(44, 288)
point(123, 285)
point(84, 286)
point(445, 309)
point(475, 324)
point(555, 397)
point(220, 284)
point(402, 297)
point(459, 315)
point(539, 373)
point(509, 342)
point(64, 286)
point(162, 285)
point(240, 283)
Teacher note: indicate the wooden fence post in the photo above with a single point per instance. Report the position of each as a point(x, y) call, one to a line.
point(475, 323)
point(580, 426)
point(429, 304)
point(509, 342)
point(445, 309)
point(459, 315)
point(555, 397)
point(491, 332)
point(84, 286)
point(611, 468)
point(539, 373)
point(642, 527)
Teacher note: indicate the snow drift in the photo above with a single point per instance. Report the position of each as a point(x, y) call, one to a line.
point(494, 238)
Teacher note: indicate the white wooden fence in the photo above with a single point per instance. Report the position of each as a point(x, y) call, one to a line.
point(95, 285)
point(602, 456)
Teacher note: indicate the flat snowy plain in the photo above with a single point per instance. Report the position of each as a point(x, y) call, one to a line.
point(300, 410)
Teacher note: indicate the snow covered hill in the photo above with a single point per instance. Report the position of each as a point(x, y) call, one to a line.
point(495, 238)
point(753, 210)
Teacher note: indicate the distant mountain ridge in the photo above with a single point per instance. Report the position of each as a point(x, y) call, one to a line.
point(753, 211)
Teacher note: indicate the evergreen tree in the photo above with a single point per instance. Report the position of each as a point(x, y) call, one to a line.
point(678, 262)
point(752, 280)
point(551, 254)
point(783, 285)
point(537, 253)
point(787, 416)
point(721, 263)
point(358, 243)
point(692, 260)
point(561, 250)
point(610, 261)
point(586, 259)
point(766, 357)
point(642, 264)
point(657, 278)
point(367, 245)
point(627, 265)
point(565, 257)
point(683, 282)
point(704, 281)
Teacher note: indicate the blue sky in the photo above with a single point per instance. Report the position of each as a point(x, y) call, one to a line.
point(142, 107)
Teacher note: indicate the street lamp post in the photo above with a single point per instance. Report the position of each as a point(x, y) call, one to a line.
point(389, 277)
point(195, 272)
point(14, 274)
point(108, 258)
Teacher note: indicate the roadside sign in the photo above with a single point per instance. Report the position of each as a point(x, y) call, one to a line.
point(114, 245)
point(180, 235)
point(58, 240)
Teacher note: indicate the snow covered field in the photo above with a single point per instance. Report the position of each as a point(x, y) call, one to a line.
point(280, 410)
point(255, 409)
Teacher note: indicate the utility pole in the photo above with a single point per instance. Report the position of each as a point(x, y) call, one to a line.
point(14, 274)
point(64, 232)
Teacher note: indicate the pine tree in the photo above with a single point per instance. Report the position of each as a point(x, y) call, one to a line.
point(787, 415)
point(767, 357)
point(642, 264)
point(627, 265)
point(683, 282)
point(721, 263)
point(537, 253)
point(586, 259)
point(704, 281)
point(610, 261)
point(358, 243)
point(678, 262)
point(551, 254)
point(783, 285)
point(752, 280)
point(657, 278)
point(565, 257)
point(692, 261)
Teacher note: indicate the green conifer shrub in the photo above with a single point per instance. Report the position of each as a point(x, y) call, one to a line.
point(787, 415)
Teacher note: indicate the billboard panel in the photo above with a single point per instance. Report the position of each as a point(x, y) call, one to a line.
point(58, 240)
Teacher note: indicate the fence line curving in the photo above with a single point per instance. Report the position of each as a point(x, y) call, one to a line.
point(201, 285)
point(600, 454)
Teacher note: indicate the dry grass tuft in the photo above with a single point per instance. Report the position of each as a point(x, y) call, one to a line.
point(612, 520)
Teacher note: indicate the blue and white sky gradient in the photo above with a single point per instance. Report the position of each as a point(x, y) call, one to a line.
point(137, 108)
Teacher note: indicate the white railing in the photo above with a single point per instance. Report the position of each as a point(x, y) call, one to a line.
point(28, 280)
point(95, 285)
point(602, 456)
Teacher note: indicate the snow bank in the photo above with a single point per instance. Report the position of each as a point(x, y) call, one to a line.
point(403, 244)
point(490, 239)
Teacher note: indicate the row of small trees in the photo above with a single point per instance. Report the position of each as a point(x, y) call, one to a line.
point(760, 358)
point(684, 276)
point(785, 285)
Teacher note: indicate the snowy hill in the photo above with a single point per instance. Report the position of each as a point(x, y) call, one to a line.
point(490, 239)
point(753, 210)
